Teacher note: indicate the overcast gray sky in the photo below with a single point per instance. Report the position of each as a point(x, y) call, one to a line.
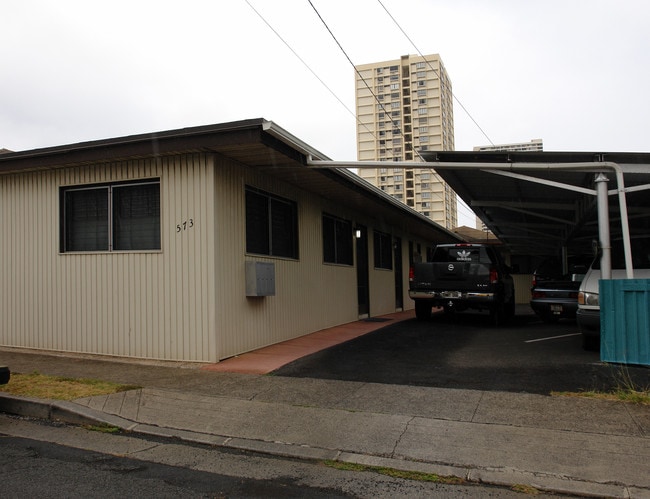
point(574, 73)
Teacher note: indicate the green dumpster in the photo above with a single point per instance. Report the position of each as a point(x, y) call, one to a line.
point(625, 321)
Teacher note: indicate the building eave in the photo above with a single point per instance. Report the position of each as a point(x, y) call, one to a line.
point(256, 143)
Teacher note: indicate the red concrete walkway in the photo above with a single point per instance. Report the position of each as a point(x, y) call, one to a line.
point(267, 359)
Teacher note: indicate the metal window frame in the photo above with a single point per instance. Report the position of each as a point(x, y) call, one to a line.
point(109, 186)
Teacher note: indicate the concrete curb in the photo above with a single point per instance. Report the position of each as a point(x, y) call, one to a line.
point(59, 410)
point(72, 413)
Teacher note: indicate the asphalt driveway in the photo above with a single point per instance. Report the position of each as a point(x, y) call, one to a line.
point(463, 351)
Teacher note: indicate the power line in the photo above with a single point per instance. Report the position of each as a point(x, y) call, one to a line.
point(461, 203)
point(358, 73)
point(300, 58)
point(395, 125)
point(436, 71)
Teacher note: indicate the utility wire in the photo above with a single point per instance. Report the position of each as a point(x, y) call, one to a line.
point(436, 71)
point(395, 125)
point(462, 203)
point(301, 59)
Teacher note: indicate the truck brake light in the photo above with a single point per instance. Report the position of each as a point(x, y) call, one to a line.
point(411, 274)
point(494, 275)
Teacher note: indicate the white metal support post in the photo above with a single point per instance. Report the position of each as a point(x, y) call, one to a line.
point(603, 226)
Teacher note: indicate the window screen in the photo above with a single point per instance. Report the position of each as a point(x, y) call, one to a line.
point(271, 225)
point(136, 217)
point(337, 240)
point(383, 251)
point(86, 219)
point(111, 217)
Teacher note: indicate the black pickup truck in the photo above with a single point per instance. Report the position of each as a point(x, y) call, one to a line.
point(460, 277)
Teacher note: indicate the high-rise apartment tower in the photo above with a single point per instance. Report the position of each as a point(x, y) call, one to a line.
point(405, 106)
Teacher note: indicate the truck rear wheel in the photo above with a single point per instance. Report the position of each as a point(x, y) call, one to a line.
point(422, 310)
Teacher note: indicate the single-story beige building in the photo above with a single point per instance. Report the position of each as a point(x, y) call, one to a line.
point(195, 244)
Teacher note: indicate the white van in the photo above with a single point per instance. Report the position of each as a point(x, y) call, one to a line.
point(588, 313)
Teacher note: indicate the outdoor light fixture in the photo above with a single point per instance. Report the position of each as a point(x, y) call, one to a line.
point(358, 233)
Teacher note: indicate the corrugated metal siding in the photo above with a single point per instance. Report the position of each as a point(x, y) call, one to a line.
point(309, 295)
point(26, 257)
point(148, 305)
point(188, 301)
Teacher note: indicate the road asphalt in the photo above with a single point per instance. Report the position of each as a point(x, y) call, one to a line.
point(573, 446)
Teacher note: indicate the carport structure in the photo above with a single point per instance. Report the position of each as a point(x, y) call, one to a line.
point(553, 203)
point(542, 204)
point(557, 204)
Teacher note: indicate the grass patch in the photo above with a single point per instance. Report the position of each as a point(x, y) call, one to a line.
point(42, 386)
point(395, 473)
point(525, 489)
point(626, 390)
point(619, 395)
point(418, 476)
point(103, 428)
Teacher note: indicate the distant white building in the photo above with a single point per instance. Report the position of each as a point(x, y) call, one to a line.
point(533, 145)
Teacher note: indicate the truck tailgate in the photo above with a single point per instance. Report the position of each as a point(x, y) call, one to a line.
point(451, 276)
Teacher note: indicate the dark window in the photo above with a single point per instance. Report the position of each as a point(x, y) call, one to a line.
point(111, 217)
point(85, 219)
point(257, 223)
point(136, 217)
point(337, 240)
point(271, 225)
point(383, 251)
point(639, 247)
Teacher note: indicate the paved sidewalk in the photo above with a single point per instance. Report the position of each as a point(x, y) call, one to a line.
point(267, 359)
point(573, 446)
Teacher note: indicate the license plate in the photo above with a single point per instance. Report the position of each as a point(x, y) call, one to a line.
point(451, 294)
point(556, 308)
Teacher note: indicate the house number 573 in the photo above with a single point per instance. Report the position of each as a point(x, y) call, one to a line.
point(184, 225)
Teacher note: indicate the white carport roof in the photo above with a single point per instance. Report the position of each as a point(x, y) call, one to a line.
point(542, 203)
point(536, 203)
